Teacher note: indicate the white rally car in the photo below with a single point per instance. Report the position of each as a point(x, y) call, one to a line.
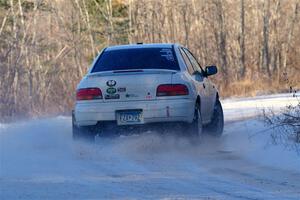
point(142, 84)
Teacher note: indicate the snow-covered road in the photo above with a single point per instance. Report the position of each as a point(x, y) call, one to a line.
point(38, 160)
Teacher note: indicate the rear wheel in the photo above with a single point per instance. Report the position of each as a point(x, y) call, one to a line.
point(216, 126)
point(195, 128)
point(85, 133)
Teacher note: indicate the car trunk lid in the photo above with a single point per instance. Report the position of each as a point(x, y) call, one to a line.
point(130, 85)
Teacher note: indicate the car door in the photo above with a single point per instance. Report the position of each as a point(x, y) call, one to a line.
point(207, 84)
point(199, 80)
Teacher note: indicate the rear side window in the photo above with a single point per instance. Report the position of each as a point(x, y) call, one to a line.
point(193, 60)
point(136, 58)
point(187, 62)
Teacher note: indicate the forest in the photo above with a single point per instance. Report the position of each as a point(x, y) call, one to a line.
point(47, 46)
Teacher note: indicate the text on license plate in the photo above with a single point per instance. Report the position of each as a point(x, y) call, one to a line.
point(129, 117)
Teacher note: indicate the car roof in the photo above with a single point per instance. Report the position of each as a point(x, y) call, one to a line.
point(134, 46)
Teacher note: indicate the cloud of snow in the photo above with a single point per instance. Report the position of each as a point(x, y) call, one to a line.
point(45, 147)
point(42, 152)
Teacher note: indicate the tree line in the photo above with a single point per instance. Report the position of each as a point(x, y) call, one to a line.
point(47, 46)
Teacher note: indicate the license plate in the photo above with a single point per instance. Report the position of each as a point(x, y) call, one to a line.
point(129, 117)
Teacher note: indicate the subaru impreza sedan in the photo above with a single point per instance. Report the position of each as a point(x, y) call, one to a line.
point(138, 85)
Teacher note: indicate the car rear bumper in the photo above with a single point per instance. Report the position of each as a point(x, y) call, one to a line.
point(181, 110)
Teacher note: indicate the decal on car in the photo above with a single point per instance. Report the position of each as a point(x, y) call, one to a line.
point(111, 83)
point(111, 90)
point(167, 53)
point(112, 96)
point(121, 89)
point(131, 95)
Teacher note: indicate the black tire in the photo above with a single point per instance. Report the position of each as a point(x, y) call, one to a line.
point(196, 127)
point(84, 133)
point(216, 126)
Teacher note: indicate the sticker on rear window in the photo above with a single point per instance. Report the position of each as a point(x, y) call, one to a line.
point(167, 54)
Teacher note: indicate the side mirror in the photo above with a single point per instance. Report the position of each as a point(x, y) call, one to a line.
point(211, 70)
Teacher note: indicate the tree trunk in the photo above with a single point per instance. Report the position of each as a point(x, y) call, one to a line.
point(289, 37)
point(221, 39)
point(265, 51)
point(242, 40)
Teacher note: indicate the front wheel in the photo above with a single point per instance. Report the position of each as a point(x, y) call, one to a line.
point(216, 126)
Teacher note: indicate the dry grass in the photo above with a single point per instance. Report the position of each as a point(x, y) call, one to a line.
point(262, 86)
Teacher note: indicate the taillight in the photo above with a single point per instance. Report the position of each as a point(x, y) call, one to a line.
point(172, 90)
point(88, 94)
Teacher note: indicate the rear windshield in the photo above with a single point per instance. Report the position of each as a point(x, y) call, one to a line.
point(137, 58)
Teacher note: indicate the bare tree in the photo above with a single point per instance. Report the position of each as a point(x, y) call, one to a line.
point(286, 126)
point(46, 46)
point(265, 48)
point(290, 30)
point(242, 40)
